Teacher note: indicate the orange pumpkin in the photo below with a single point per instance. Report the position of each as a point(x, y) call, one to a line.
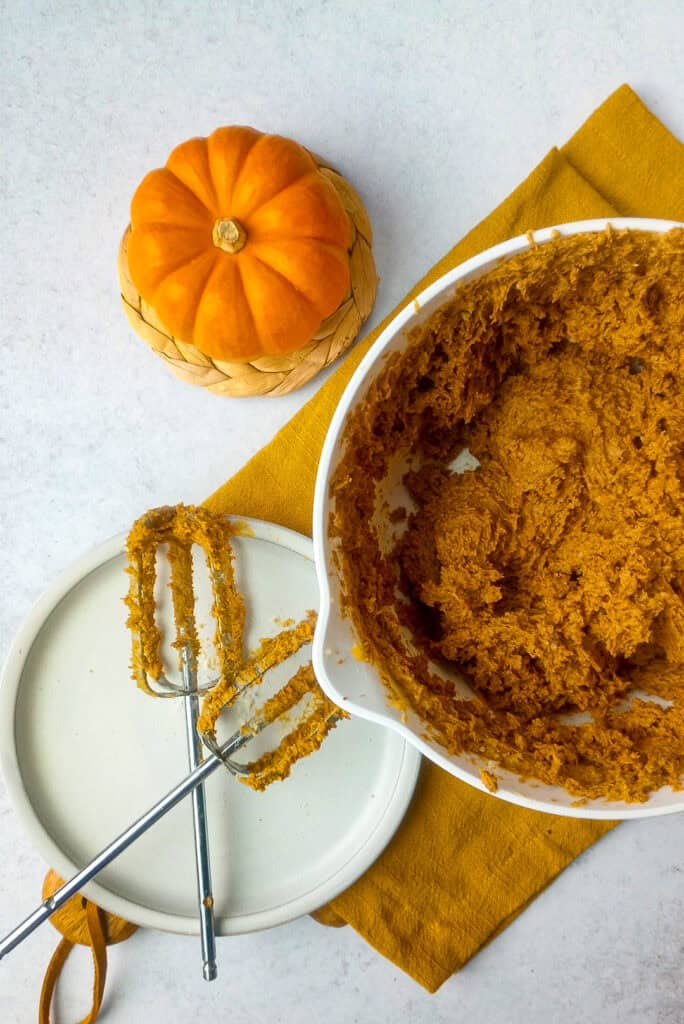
point(240, 244)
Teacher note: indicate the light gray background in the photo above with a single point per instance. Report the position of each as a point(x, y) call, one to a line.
point(435, 111)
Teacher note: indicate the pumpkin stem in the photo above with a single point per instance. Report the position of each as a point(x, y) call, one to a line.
point(228, 234)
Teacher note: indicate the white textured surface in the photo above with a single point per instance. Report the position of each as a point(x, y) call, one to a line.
point(436, 111)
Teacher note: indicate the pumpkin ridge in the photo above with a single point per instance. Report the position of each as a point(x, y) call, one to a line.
point(338, 231)
point(173, 224)
point(271, 238)
point(174, 334)
point(172, 268)
point(240, 168)
point(206, 279)
point(192, 191)
point(238, 172)
point(248, 305)
point(200, 300)
point(195, 218)
point(313, 174)
point(295, 181)
point(292, 285)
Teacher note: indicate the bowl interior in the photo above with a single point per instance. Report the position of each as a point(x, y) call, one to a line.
point(355, 684)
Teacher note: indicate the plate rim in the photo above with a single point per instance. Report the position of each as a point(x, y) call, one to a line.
point(138, 913)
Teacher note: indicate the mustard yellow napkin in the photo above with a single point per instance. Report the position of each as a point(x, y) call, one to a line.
point(464, 864)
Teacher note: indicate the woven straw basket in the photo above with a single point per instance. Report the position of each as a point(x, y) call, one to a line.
point(268, 375)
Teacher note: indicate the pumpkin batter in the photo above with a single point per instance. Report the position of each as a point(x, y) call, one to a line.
point(551, 576)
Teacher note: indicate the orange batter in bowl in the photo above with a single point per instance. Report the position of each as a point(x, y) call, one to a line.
point(551, 577)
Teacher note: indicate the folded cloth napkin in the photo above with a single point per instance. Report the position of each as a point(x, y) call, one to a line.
point(464, 864)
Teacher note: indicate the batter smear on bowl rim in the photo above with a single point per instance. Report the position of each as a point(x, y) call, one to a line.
point(551, 576)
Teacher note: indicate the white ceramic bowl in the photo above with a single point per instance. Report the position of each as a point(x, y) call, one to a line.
point(356, 685)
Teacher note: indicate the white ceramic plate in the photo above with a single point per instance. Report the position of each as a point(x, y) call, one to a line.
point(357, 686)
point(84, 752)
